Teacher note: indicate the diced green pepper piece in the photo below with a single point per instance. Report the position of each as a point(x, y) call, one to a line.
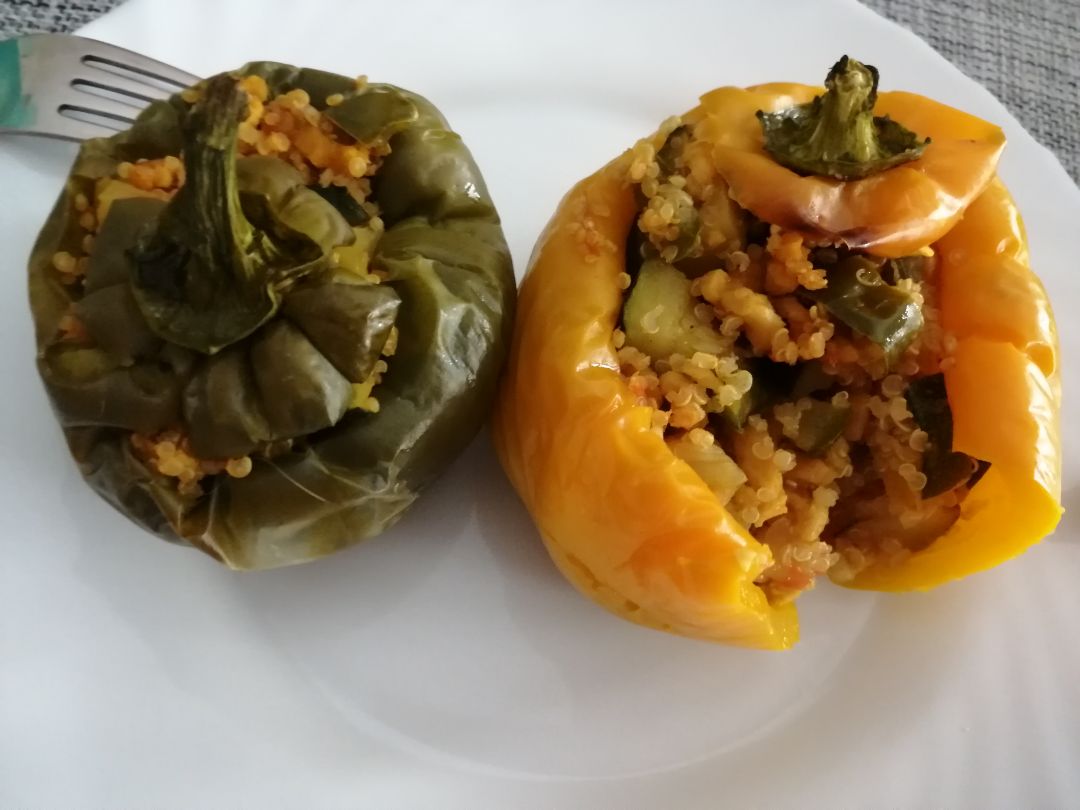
point(946, 471)
point(928, 402)
point(812, 379)
point(739, 411)
point(820, 425)
point(944, 468)
point(772, 382)
point(906, 267)
point(857, 296)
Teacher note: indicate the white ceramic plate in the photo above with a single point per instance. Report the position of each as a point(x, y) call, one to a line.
point(447, 664)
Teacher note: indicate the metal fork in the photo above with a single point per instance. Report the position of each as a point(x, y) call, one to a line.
point(61, 86)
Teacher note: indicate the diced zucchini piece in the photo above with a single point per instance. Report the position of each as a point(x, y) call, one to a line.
point(659, 317)
point(715, 467)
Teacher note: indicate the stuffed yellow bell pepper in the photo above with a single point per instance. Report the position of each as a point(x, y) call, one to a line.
point(792, 334)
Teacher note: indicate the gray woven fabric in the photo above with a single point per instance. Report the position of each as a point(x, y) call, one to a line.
point(29, 16)
point(1026, 52)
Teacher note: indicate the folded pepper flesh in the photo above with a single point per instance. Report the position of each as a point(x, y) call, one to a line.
point(792, 334)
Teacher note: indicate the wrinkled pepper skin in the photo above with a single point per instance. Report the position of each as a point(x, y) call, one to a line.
point(445, 257)
point(635, 528)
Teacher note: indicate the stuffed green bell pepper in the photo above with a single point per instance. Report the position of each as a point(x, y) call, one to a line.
point(272, 311)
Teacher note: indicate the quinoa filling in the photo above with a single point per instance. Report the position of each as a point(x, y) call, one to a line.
point(290, 128)
point(801, 380)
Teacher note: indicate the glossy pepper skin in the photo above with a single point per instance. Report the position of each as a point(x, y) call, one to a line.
point(449, 288)
point(635, 528)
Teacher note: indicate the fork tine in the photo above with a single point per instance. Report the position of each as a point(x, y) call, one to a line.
point(133, 93)
point(136, 65)
point(53, 124)
point(123, 114)
point(83, 96)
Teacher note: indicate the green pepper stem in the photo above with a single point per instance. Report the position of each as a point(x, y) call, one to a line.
point(202, 274)
point(837, 134)
point(207, 206)
point(209, 201)
point(845, 125)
